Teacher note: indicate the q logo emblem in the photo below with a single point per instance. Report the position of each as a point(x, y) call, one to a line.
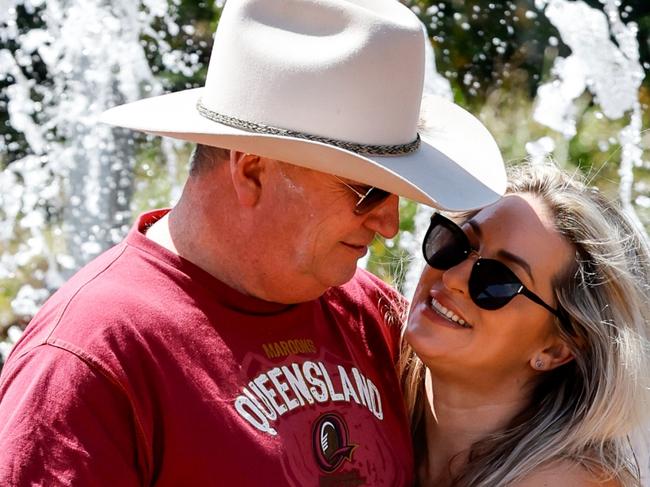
point(331, 443)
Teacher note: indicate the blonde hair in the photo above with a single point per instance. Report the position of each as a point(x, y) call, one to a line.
point(583, 410)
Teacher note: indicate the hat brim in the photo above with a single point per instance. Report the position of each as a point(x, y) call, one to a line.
point(458, 166)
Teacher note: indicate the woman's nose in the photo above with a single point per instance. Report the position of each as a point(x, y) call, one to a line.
point(456, 278)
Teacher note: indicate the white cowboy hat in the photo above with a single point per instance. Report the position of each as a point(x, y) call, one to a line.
point(335, 86)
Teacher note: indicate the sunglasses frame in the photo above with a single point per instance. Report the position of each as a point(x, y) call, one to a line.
point(375, 201)
point(459, 235)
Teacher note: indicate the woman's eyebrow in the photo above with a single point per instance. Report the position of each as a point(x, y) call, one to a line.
point(515, 259)
point(504, 254)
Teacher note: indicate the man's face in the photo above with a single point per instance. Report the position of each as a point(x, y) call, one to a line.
point(309, 236)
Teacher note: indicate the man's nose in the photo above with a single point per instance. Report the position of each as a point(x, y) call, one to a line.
point(384, 219)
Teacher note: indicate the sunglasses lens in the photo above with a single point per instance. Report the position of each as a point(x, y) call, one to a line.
point(373, 198)
point(492, 285)
point(444, 248)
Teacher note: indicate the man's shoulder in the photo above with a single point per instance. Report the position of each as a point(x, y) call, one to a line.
point(99, 303)
point(105, 285)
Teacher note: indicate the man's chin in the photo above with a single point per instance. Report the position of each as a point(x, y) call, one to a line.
point(314, 286)
point(343, 276)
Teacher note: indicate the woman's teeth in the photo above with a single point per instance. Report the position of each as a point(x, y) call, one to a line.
point(447, 313)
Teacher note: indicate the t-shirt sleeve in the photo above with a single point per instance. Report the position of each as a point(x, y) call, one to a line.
point(63, 423)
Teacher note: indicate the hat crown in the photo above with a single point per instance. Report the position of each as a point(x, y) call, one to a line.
point(333, 86)
point(350, 70)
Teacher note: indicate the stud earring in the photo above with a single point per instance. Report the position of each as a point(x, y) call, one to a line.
point(539, 364)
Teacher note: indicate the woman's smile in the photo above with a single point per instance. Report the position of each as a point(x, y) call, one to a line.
point(448, 314)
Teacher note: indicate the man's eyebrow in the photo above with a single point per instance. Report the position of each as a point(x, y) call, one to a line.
point(504, 254)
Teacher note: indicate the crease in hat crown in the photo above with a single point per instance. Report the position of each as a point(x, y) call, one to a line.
point(320, 70)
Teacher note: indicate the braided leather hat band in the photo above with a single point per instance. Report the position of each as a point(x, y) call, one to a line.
point(365, 149)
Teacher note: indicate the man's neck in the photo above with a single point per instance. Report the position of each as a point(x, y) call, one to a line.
point(177, 232)
point(178, 241)
point(160, 234)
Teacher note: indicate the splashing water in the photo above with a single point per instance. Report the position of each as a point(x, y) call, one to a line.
point(69, 199)
point(604, 61)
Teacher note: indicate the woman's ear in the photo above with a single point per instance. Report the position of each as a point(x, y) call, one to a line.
point(246, 171)
point(556, 354)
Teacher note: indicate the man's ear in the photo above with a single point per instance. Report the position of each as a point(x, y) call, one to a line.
point(555, 354)
point(246, 171)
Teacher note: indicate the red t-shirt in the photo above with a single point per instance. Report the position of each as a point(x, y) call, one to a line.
point(145, 370)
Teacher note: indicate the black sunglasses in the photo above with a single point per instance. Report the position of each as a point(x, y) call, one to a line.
point(368, 201)
point(492, 284)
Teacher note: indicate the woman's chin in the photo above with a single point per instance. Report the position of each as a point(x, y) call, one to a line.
point(433, 338)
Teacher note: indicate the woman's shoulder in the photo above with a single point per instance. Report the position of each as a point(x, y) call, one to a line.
point(565, 473)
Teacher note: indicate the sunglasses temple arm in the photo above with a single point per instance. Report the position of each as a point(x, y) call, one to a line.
point(533, 297)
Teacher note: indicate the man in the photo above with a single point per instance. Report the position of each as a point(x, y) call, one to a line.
point(232, 340)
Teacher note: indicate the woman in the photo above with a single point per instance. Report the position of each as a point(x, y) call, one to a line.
point(525, 358)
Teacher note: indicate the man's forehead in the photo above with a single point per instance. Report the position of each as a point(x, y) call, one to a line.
point(305, 172)
point(314, 175)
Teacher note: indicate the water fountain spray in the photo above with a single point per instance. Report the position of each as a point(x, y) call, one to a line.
point(70, 197)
